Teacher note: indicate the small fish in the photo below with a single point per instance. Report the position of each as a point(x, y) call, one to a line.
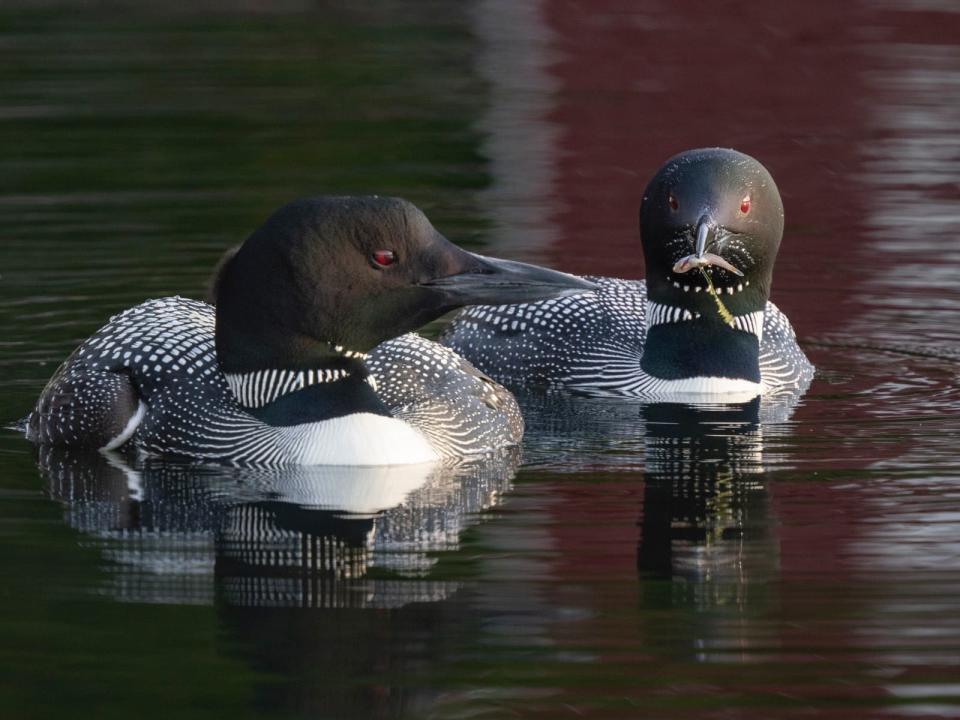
point(688, 263)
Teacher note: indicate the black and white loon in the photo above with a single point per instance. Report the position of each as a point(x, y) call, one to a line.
point(279, 372)
point(711, 221)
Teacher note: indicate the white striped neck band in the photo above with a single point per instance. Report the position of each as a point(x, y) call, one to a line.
point(261, 387)
point(659, 314)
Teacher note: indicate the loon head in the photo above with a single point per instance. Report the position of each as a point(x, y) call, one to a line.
point(328, 276)
point(711, 212)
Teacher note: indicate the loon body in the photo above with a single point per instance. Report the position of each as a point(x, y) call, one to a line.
point(701, 324)
point(266, 376)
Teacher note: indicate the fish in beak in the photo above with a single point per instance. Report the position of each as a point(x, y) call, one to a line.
point(706, 234)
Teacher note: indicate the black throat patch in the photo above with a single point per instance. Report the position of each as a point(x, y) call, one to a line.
point(702, 347)
point(322, 401)
point(291, 397)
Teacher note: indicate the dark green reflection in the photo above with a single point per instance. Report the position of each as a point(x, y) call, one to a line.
point(139, 141)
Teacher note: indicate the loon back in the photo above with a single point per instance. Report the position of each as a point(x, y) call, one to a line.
point(596, 341)
point(161, 355)
point(461, 410)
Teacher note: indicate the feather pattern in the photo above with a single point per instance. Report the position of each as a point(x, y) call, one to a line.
point(595, 342)
point(162, 354)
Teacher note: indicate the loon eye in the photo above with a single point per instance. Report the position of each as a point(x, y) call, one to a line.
point(745, 205)
point(382, 258)
point(672, 201)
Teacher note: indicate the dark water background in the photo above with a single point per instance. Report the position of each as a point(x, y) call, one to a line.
point(645, 561)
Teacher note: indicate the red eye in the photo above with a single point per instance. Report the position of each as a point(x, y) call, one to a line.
point(673, 202)
point(745, 205)
point(383, 258)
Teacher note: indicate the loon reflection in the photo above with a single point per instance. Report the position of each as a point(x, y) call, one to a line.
point(322, 536)
point(706, 526)
point(706, 520)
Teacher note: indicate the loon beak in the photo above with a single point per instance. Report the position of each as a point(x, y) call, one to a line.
point(492, 281)
point(706, 232)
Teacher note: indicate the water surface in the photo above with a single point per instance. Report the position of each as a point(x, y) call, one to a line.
point(637, 560)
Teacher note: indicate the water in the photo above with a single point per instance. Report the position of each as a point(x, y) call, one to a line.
point(644, 560)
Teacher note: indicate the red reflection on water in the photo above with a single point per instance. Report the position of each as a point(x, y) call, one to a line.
point(639, 83)
point(797, 89)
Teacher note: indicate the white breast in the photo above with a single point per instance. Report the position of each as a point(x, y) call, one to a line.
point(357, 439)
point(732, 389)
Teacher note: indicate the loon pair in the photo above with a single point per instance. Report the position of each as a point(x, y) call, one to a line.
point(305, 360)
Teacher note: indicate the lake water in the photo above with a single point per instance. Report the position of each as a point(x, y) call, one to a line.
point(635, 560)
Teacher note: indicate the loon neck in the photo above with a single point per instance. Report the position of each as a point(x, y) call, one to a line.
point(683, 343)
point(255, 388)
point(339, 386)
point(663, 314)
point(740, 296)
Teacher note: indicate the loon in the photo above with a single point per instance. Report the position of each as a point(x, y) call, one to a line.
point(291, 366)
point(700, 325)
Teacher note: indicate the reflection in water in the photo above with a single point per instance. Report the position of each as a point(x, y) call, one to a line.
point(301, 536)
point(704, 498)
point(572, 432)
point(707, 527)
point(707, 549)
point(706, 519)
point(912, 182)
point(520, 142)
point(294, 560)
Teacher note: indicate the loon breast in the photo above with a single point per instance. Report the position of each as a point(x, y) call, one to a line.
point(358, 439)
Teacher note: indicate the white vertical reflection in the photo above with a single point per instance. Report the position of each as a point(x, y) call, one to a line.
point(909, 549)
point(516, 50)
point(912, 164)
